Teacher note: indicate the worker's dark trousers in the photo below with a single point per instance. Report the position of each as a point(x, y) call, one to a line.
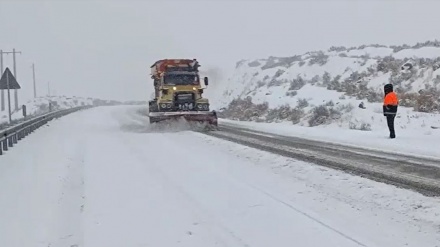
point(390, 122)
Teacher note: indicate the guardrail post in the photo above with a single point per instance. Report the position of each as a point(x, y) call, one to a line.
point(14, 138)
point(1, 149)
point(10, 142)
point(5, 144)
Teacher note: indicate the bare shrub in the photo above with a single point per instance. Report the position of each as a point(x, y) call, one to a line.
point(326, 78)
point(322, 115)
point(345, 108)
point(330, 103)
point(428, 101)
point(297, 83)
point(278, 73)
point(296, 115)
point(337, 48)
point(362, 126)
point(314, 80)
point(275, 82)
point(335, 84)
point(254, 64)
point(244, 109)
point(291, 93)
point(285, 112)
point(279, 113)
point(260, 84)
point(373, 96)
point(302, 103)
point(273, 62)
point(318, 58)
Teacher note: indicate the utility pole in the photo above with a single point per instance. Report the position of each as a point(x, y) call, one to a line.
point(15, 75)
point(48, 89)
point(3, 91)
point(35, 85)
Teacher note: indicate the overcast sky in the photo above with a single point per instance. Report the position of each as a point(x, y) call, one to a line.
point(104, 48)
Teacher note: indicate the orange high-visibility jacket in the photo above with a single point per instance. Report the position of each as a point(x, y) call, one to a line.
point(390, 103)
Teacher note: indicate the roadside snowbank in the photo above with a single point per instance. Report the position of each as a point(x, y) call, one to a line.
point(40, 106)
point(420, 141)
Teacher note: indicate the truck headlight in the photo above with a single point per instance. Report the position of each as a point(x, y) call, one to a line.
point(163, 105)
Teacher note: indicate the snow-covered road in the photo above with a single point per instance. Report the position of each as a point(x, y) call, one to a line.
point(103, 177)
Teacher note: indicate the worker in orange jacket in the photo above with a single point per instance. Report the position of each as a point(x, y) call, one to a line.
point(390, 104)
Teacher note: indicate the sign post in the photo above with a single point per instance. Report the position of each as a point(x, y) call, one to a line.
point(9, 82)
point(9, 97)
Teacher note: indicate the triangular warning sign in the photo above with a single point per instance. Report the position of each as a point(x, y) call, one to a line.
point(8, 77)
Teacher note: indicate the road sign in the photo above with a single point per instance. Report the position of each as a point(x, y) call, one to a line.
point(9, 82)
point(8, 76)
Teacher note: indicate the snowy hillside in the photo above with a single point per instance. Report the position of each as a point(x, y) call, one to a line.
point(328, 87)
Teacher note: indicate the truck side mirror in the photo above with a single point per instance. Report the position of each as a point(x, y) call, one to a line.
point(206, 81)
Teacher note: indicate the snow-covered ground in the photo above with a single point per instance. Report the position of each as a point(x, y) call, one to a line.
point(41, 105)
point(418, 142)
point(103, 177)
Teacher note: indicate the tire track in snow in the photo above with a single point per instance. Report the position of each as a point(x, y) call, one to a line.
point(197, 209)
point(424, 179)
point(290, 206)
point(273, 197)
point(262, 193)
point(71, 200)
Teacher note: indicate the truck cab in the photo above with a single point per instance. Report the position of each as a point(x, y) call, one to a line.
point(178, 86)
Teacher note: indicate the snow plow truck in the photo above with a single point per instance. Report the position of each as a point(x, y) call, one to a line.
point(178, 93)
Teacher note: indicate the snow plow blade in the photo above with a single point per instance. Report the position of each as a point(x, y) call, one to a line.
point(208, 119)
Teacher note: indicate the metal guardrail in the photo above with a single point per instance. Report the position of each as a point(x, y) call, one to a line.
point(11, 135)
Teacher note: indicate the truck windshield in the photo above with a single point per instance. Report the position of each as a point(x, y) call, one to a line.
point(180, 79)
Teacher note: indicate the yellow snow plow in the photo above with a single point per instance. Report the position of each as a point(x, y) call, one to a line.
point(178, 93)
